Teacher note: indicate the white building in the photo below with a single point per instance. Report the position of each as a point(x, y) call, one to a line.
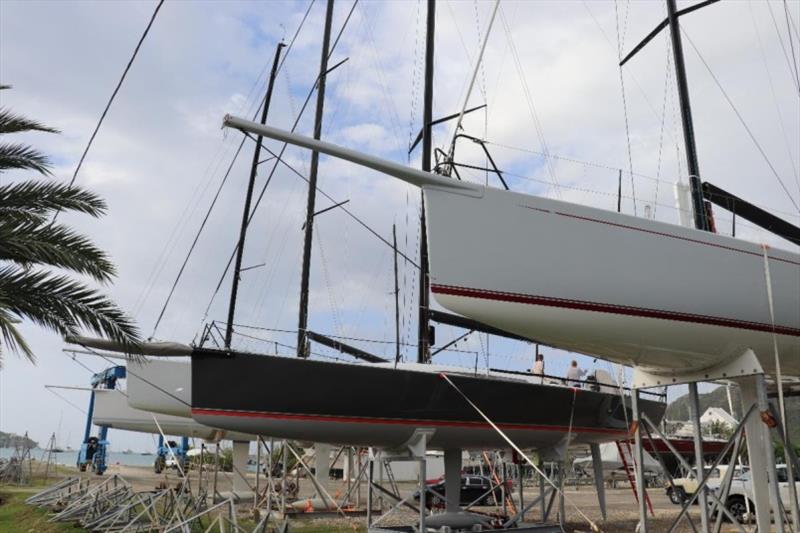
point(717, 415)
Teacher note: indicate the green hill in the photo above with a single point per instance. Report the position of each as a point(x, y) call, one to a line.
point(10, 440)
point(679, 408)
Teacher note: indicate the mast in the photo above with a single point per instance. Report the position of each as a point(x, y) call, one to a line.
point(246, 212)
point(424, 349)
point(698, 205)
point(312, 186)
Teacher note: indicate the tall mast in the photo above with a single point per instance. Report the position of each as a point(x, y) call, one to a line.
point(698, 205)
point(312, 185)
point(246, 212)
point(424, 349)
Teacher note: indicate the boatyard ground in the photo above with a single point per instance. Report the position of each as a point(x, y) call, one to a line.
point(16, 516)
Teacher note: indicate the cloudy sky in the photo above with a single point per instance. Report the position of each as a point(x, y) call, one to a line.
point(550, 81)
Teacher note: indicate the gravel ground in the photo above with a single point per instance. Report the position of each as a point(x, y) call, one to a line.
point(622, 508)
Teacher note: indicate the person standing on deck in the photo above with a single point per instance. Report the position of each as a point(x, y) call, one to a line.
point(574, 374)
point(538, 366)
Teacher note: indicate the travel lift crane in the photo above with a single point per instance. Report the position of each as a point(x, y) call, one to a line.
point(93, 449)
point(167, 450)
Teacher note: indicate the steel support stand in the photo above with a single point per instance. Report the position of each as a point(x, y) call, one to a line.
point(370, 473)
point(270, 466)
point(599, 485)
point(725, 487)
point(258, 473)
point(422, 495)
point(542, 502)
point(349, 474)
point(792, 467)
point(284, 461)
point(694, 408)
point(562, 519)
point(521, 490)
point(452, 480)
point(774, 487)
point(505, 496)
point(757, 442)
point(639, 460)
point(380, 482)
point(216, 472)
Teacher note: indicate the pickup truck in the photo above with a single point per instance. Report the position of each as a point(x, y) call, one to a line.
point(740, 497)
point(685, 487)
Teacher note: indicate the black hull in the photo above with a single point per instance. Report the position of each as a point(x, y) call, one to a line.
point(364, 404)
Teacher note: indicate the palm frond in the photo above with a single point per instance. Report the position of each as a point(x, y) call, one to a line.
point(21, 216)
point(45, 196)
point(13, 123)
point(63, 305)
point(21, 156)
point(37, 243)
point(12, 337)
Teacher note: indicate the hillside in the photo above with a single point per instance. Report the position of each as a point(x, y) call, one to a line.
point(9, 440)
point(679, 408)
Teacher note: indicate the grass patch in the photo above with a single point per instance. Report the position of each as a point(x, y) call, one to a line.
point(18, 517)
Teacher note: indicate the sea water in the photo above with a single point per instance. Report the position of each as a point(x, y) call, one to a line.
point(70, 457)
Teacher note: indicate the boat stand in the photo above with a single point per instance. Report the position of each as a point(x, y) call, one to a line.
point(754, 429)
point(454, 518)
point(414, 450)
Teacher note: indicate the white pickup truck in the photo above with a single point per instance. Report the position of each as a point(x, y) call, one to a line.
point(686, 486)
point(740, 498)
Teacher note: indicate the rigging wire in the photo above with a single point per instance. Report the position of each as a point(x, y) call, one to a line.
point(529, 99)
point(631, 75)
point(741, 119)
point(278, 158)
point(335, 312)
point(791, 41)
point(774, 96)
point(624, 102)
point(663, 121)
point(194, 202)
point(221, 185)
point(790, 20)
point(66, 400)
point(592, 164)
point(116, 90)
point(792, 66)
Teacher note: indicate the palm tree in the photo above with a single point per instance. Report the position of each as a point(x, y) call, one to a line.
point(37, 253)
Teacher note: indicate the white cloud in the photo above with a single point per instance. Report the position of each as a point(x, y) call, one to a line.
point(160, 155)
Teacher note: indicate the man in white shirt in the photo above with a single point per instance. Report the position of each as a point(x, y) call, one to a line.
point(574, 374)
point(538, 366)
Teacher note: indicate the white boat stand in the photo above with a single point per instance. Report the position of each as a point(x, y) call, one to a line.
point(754, 425)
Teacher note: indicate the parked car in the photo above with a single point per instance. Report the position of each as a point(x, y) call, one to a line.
point(740, 497)
point(472, 488)
point(685, 487)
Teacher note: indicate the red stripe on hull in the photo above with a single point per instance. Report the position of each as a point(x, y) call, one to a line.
point(403, 422)
point(611, 308)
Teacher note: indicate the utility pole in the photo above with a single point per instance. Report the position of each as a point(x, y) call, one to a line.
point(302, 350)
point(698, 203)
point(248, 199)
point(424, 348)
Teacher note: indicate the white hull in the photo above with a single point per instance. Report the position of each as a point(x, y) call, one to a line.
point(160, 386)
point(111, 409)
point(627, 289)
point(639, 292)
